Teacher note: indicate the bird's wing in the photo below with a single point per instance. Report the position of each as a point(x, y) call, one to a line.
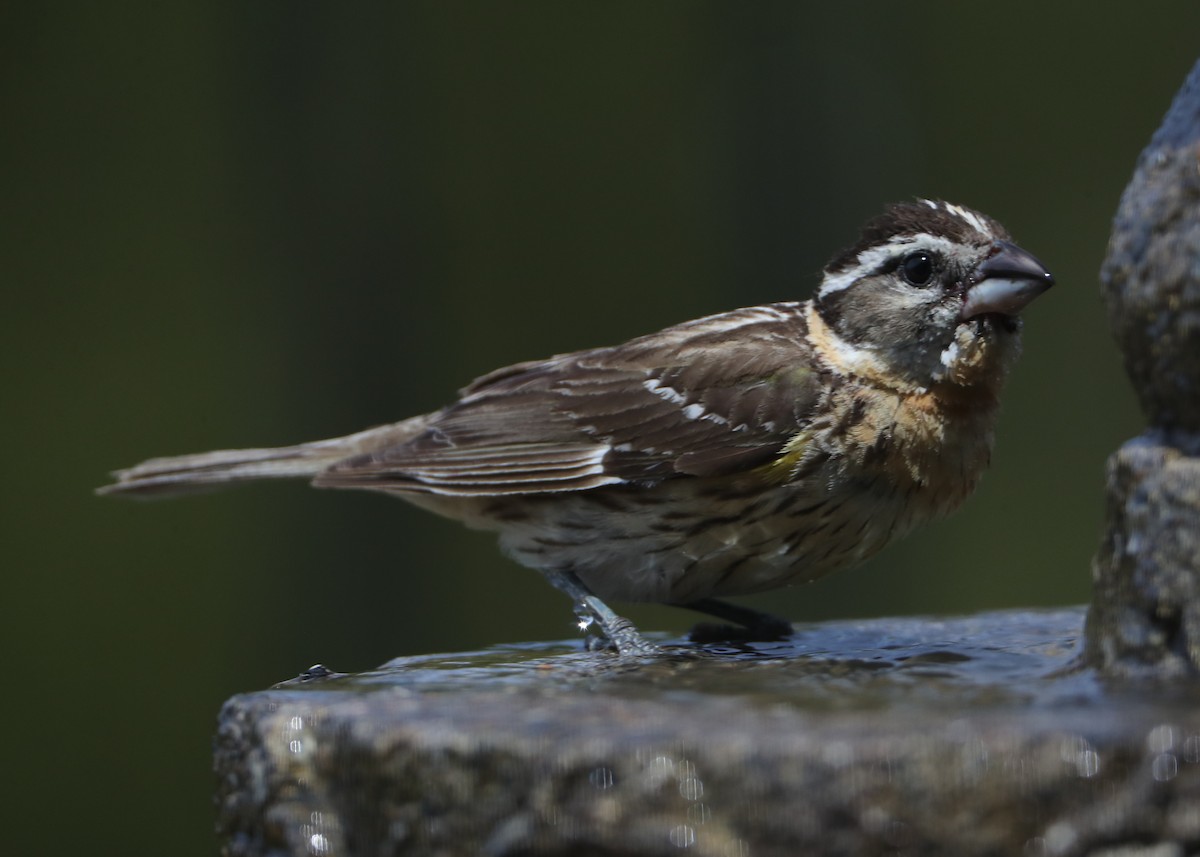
point(715, 396)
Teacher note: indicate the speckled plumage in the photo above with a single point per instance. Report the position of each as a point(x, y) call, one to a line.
point(722, 456)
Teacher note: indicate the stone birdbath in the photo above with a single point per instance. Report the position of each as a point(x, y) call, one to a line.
point(1065, 732)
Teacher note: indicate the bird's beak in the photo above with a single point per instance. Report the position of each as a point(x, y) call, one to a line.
point(1005, 282)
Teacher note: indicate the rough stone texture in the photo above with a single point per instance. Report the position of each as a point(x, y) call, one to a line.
point(1145, 619)
point(971, 736)
point(1151, 278)
point(1145, 616)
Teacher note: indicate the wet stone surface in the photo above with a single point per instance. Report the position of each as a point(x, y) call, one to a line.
point(966, 736)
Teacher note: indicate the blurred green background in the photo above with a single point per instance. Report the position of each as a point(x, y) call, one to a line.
point(257, 224)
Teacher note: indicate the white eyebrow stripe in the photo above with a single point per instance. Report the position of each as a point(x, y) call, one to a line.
point(870, 261)
point(936, 243)
point(866, 262)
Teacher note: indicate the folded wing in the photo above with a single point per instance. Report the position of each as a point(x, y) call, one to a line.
point(711, 397)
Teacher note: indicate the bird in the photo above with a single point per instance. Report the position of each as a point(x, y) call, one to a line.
point(732, 454)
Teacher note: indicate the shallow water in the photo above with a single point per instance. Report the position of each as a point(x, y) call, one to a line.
point(1007, 659)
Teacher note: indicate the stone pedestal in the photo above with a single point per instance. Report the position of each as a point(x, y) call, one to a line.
point(968, 736)
point(1145, 617)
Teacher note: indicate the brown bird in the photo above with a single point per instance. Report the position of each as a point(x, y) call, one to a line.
point(728, 455)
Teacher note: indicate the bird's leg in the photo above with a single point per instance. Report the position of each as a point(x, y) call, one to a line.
point(614, 630)
point(749, 625)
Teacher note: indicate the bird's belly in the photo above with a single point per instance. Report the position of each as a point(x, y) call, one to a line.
point(680, 545)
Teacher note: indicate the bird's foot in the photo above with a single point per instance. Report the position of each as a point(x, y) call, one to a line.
point(603, 627)
point(607, 631)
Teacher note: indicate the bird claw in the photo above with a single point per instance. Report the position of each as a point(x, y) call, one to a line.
point(607, 631)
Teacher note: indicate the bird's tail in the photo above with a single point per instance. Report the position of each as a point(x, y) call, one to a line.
point(187, 474)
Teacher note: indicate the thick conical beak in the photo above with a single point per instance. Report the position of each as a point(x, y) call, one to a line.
point(1005, 282)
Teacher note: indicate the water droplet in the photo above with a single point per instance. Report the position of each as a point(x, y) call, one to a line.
point(683, 836)
point(1164, 767)
point(1161, 739)
point(1191, 748)
point(691, 788)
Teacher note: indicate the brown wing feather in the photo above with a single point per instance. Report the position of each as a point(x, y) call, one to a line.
point(714, 396)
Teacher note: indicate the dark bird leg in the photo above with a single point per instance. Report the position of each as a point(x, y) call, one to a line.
point(749, 625)
point(615, 631)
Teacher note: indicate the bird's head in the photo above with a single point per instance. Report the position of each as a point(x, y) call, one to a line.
point(930, 294)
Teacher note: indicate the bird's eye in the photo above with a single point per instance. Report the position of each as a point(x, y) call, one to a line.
point(917, 269)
